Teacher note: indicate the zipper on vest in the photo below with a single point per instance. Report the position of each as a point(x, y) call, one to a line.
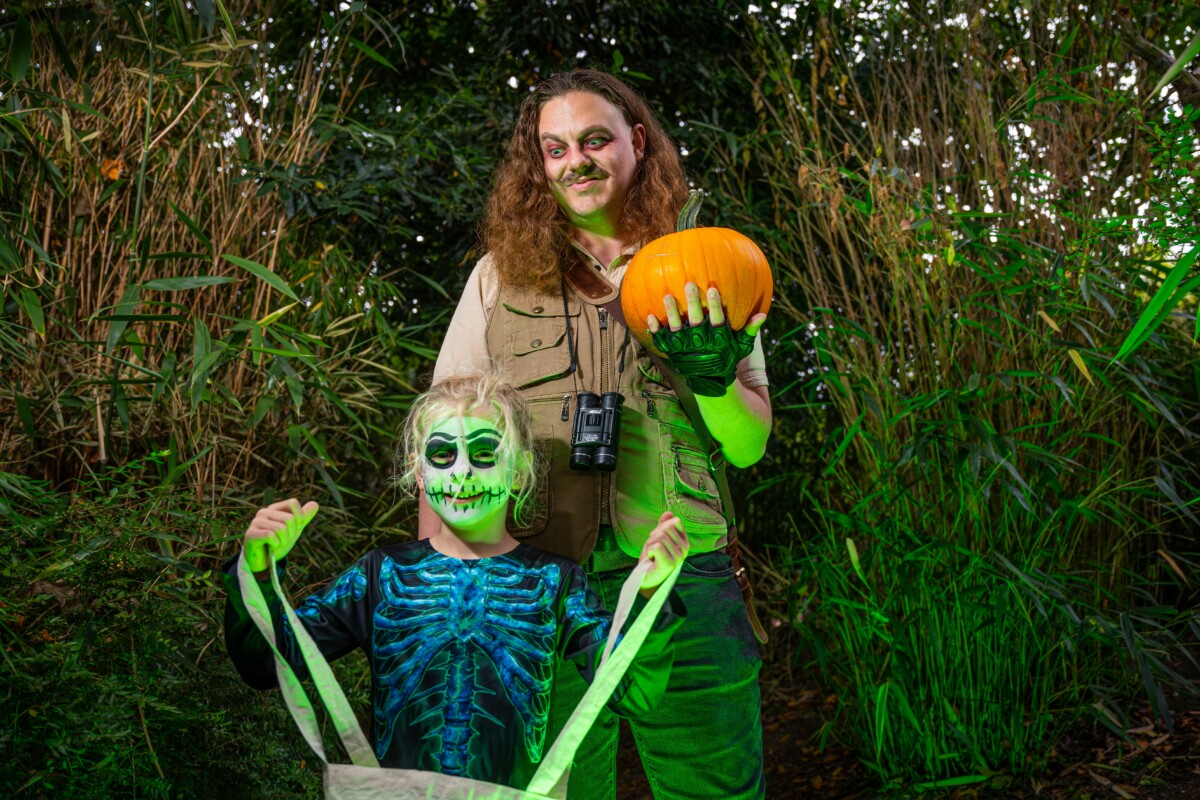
point(649, 402)
point(565, 414)
point(605, 365)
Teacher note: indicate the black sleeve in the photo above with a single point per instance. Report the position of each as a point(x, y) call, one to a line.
point(586, 624)
point(337, 618)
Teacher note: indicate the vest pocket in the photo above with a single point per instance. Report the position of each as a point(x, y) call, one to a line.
point(692, 492)
point(536, 343)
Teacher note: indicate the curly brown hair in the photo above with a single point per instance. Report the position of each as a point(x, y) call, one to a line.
point(525, 231)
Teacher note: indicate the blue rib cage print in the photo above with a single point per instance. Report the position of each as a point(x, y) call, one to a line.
point(352, 583)
point(460, 617)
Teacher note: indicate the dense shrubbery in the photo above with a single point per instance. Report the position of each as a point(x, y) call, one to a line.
point(999, 537)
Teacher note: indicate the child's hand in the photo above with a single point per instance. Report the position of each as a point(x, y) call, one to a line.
point(277, 526)
point(666, 547)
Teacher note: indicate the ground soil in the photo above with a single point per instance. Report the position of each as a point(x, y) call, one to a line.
point(1089, 764)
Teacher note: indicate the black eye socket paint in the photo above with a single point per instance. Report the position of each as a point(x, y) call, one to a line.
point(441, 451)
point(482, 452)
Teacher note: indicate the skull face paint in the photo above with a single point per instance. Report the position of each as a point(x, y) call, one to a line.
point(464, 477)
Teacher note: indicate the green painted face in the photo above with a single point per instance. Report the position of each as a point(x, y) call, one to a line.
point(466, 481)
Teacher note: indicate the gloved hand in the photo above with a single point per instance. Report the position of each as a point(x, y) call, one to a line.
point(706, 356)
point(704, 351)
point(278, 527)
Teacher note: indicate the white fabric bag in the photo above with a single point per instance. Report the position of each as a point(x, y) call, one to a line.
point(364, 779)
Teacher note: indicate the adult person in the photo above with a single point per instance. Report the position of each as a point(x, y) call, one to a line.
point(589, 176)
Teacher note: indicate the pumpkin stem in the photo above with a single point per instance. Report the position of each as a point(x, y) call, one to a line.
point(691, 211)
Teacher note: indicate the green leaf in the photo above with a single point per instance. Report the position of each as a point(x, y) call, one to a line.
point(191, 225)
point(261, 272)
point(841, 448)
point(208, 14)
point(33, 309)
point(961, 780)
point(852, 549)
point(1174, 497)
point(199, 379)
point(1192, 50)
point(261, 409)
point(201, 341)
point(182, 284)
point(177, 470)
point(371, 52)
point(25, 414)
point(1164, 301)
point(63, 52)
point(20, 50)
point(124, 308)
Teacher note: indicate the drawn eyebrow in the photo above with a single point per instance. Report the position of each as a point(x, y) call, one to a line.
point(437, 437)
point(484, 432)
point(586, 133)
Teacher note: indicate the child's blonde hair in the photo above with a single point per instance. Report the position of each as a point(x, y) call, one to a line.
point(482, 394)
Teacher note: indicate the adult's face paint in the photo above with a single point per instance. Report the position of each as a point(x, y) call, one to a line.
point(464, 480)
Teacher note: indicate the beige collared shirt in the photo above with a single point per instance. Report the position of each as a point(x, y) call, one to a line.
point(465, 347)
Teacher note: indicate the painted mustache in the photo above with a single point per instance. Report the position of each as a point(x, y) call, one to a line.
point(596, 174)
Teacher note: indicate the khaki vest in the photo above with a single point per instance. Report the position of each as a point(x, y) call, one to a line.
point(661, 463)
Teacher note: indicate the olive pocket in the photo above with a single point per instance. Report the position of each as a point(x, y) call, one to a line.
point(692, 492)
point(536, 343)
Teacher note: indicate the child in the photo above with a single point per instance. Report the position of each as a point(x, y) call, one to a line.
point(464, 630)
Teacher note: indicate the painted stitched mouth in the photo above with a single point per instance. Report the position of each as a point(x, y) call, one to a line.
point(461, 499)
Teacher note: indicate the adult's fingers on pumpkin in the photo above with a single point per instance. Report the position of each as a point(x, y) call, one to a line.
point(716, 314)
point(695, 309)
point(672, 308)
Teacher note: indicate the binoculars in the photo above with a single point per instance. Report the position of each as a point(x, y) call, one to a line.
point(594, 435)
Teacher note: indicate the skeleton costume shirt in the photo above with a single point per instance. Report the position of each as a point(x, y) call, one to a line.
point(462, 652)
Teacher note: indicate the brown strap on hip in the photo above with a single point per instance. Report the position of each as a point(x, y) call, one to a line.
point(743, 580)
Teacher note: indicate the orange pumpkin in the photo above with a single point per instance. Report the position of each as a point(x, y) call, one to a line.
point(708, 257)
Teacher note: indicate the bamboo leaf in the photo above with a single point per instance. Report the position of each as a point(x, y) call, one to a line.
point(25, 414)
point(841, 448)
point(1049, 321)
point(1171, 494)
point(881, 716)
point(1079, 363)
point(32, 305)
point(1174, 566)
point(177, 470)
point(182, 284)
point(208, 14)
point(191, 226)
point(371, 53)
point(125, 307)
point(852, 549)
point(1184, 59)
point(201, 341)
point(1163, 301)
point(262, 273)
point(199, 379)
point(274, 315)
point(20, 50)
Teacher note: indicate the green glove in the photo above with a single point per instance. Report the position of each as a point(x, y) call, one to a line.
point(705, 356)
